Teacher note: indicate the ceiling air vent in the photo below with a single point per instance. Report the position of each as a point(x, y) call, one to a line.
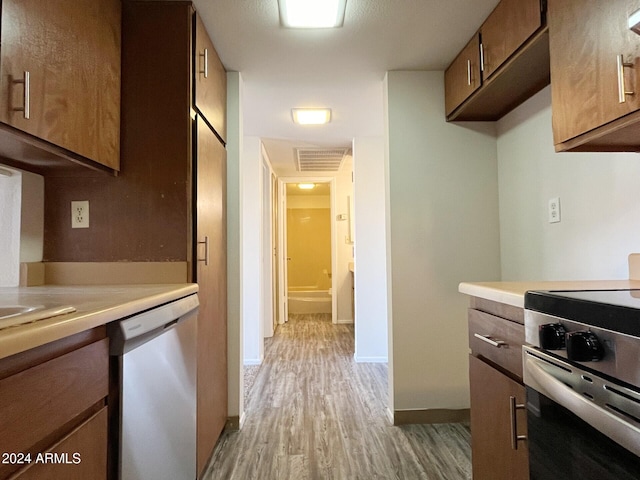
point(320, 159)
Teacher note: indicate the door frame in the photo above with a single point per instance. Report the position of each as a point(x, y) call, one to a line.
point(267, 258)
point(282, 243)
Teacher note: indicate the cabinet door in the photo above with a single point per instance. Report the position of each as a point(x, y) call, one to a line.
point(211, 273)
point(71, 51)
point(585, 39)
point(510, 24)
point(493, 457)
point(210, 81)
point(462, 78)
point(81, 455)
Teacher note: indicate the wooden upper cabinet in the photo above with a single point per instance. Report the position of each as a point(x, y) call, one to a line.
point(505, 63)
point(587, 40)
point(70, 52)
point(210, 96)
point(462, 78)
point(508, 27)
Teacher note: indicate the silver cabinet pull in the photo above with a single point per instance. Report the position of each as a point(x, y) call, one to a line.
point(481, 57)
point(469, 72)
point(513, 407)
point(205, 57)
point(26, 108)
point(487, 339)
point(206, 251)
point(622, 89)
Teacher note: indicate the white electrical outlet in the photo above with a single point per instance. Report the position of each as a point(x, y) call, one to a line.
point(554, 210)
point(80, 214)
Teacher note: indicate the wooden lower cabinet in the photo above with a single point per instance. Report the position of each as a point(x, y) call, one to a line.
point(492, 426)
point(53, 410)
point(81, 455)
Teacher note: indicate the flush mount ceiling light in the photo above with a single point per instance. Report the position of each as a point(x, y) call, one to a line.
point(306, 186)
point(311, 116)
point(312, 13)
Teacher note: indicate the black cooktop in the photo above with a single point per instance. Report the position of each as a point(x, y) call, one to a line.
point(616, 310)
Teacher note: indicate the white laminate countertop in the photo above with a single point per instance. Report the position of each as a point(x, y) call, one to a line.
point(512, 293)
point(95, 305)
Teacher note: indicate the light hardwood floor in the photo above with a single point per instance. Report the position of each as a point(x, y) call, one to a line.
point(313, 413)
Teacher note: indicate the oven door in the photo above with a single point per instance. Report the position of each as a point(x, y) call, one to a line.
point(580, 425)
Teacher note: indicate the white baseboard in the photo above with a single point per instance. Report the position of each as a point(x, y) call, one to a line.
point(242, 419)
point(344, 321)
point(252, 361)
point(390, 415)
point(370, 359)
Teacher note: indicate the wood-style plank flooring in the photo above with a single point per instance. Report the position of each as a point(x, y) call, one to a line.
point(314, 413)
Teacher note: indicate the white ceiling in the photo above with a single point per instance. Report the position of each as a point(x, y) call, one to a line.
point(342, 69)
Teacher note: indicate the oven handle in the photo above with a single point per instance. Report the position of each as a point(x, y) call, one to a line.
point(602, 420)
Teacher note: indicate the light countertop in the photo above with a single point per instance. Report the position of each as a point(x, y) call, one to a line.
point(512, 293)
point(95, 306)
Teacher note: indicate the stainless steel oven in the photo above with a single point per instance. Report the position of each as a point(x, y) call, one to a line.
point(582, 372)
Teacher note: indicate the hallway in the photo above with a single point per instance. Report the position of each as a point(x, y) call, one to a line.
point(313, 413)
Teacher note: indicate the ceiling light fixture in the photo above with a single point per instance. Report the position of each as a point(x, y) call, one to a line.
point(311, 116)
point(306, 186)
point(312, 13)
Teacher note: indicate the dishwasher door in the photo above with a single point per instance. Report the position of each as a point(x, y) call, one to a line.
point(157, 439)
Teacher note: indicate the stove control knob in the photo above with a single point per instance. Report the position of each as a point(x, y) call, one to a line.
point(584, 346)
point(551, 336)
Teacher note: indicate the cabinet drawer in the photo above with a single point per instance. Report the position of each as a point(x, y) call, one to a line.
point(80, 455)
point(39, 403)
point(508, 354)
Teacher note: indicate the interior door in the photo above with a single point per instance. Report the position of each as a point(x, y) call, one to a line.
point(283, 308)
point(274, 242)
point(211, 273)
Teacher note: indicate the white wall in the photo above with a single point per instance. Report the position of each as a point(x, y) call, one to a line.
point(32, 218)
point(443, 229)
point(599, 200)
point(370, 250)
point(251, 250)
point(234, 318)
point(10, 209)
point(21, 222)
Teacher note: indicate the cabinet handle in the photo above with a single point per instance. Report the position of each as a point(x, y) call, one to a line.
point(26, 108)
point(469, 72)
point(481, 57)
point(513, 407)
point(493, 343)
point(206, 251)
point(622, 89)
point(205, 57)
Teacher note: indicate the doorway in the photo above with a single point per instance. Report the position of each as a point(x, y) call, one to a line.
point(306, 236)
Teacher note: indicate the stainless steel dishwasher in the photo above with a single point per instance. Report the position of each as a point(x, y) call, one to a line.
point(155, 357)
